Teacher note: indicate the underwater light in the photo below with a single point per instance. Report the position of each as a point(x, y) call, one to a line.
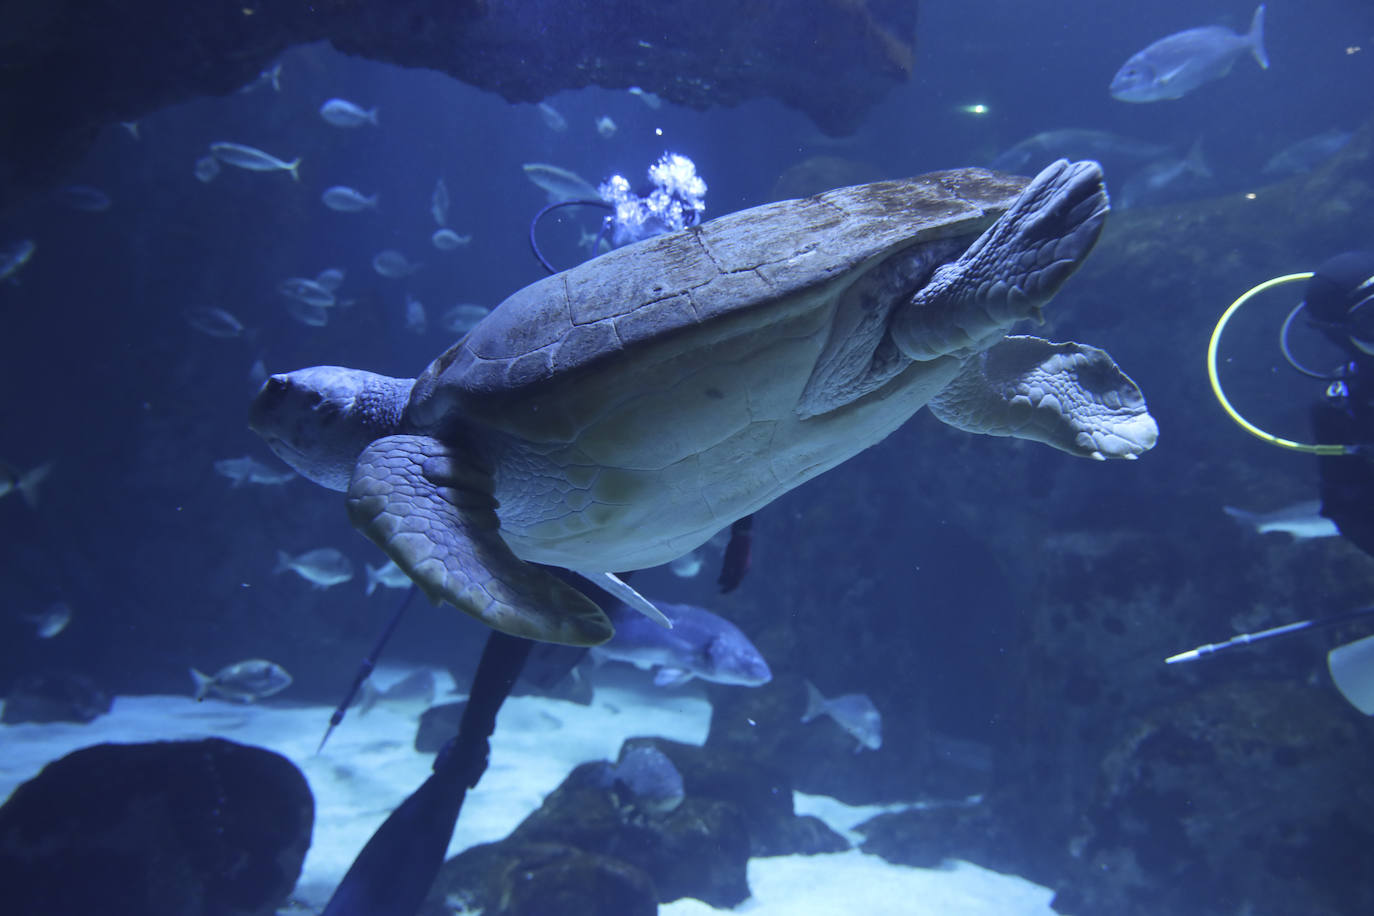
point(977, 108)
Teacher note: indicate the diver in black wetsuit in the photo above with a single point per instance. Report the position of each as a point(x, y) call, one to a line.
point(1339, 301)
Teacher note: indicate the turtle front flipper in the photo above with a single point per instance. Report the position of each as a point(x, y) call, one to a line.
point(1011, 270)
point(1068, 395)
point(431, 508)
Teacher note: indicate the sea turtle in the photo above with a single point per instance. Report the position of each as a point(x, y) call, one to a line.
point(618, 414)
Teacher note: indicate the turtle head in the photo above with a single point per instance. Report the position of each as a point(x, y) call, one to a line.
point(319, 420)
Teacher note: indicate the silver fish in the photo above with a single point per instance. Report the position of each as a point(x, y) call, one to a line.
point(1165, 179)
point(854, 712)
point(1032, 154)
point(25, 483)
point(213, 321)
point(347, 200)
point(303, 289)
point(1305, 155)
point(52, 621)
point(552, 119)
point(648, 776)
point(249, 470)
point(331, 278)
point(700, 644)
point(253, 159)
point(463, 317)
point(393, 264)
point(560, 184)
point(1300, 521)
point(448, 240)
point(243, 681)
point(416, 321)
point(14, 257)
point(321, 567)
point(416, 688)
point(388, 574)
point(343, 113)
point(85, 198)
point(206, 169)
point(438, 202)
point(1177, 64)
point(315, 316)
point(648, 98)
point(269, 77)
point(606, 127)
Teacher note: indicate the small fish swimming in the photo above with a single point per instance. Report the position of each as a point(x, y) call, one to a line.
point(1306, 155)
point(606, 127)
point(206, 169)
point(1177, 64)
point(560, 184)
point(331, 278)
point(463, 317)
point(213, 321)
point(393, 264)
point(253, 159)
point(439, 202)
point(26, 483)
point(854, 712)
point(343, 113)
point(1030, 155)
point(130, 128)
point(688, 565)
point(321, 567)
point(700, 644)
point(448, 240)
point(416, 321)
point(84, 198)
point(1300, 521)
point(346, 200)
point(648, 98)
point(553, 120)
point(303, 289)
point(52, 621)
point(415, 689)
point(315, 316)
point(1165, 180)
point(269, 77)
point(249, 470)
point(245, 681)
point(15, 257)
point(388, 574)
point(648, 776)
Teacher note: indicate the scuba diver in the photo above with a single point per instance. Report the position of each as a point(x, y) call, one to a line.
point(1339, 302)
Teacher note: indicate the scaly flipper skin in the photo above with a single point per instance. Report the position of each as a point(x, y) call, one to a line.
point(1067, 395)
point(431, 509)
point(1013, 268)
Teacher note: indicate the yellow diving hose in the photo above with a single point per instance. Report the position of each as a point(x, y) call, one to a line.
point(1243, 423)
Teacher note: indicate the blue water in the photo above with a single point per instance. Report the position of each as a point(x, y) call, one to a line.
point(166, 567)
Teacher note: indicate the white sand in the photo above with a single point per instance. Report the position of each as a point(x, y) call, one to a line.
point(369, 766)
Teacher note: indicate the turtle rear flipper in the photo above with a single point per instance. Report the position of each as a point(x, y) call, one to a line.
point(1068, 395)
point(1011, 270)
point(431, 509)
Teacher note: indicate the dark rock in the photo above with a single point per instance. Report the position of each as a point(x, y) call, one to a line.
point(55, 696)
point(102, 61)
point(193, 828)
point(437, 725)
point(537, 879)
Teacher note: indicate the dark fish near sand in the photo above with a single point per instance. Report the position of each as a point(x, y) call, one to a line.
point(1176, 65)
